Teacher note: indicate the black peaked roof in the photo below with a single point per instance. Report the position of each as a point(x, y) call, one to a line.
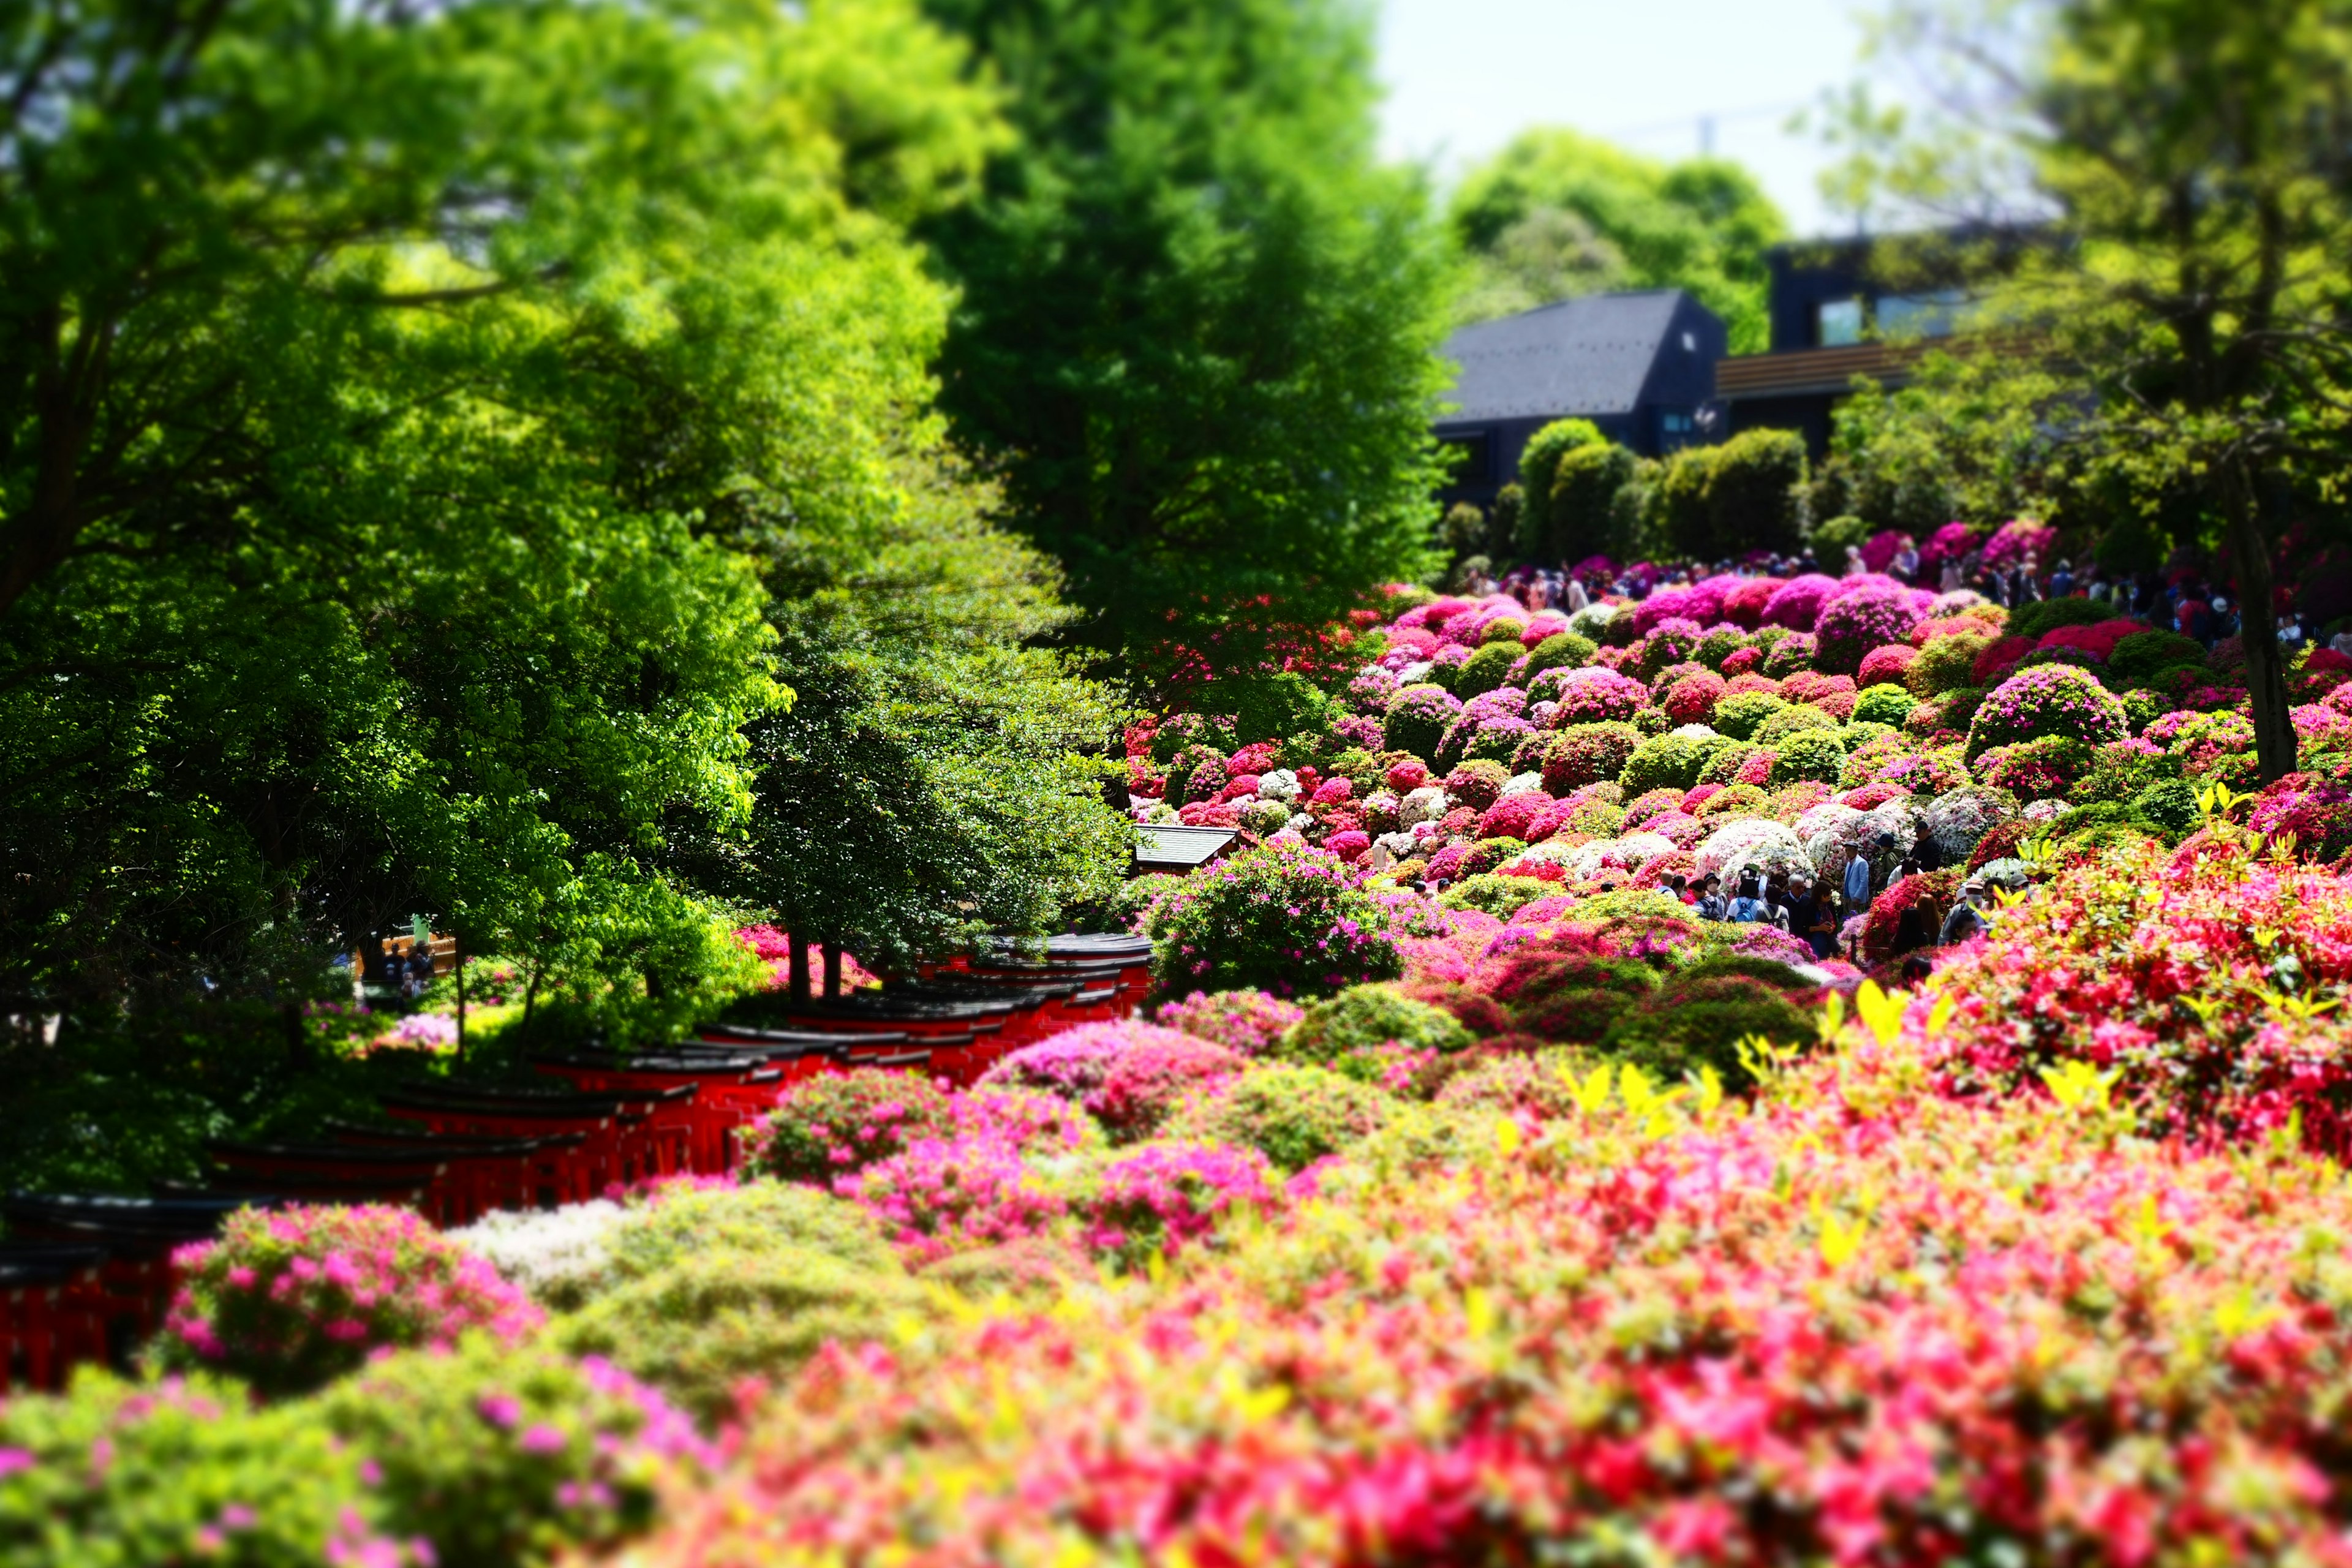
point(1588, 356)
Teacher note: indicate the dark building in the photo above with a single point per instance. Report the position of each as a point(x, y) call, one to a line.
point(1830, 322)
point(1640, 366)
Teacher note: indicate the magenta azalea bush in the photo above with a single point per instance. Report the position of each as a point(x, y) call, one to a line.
point(1285, 919)
point(834, 1124)
point(2049, 699)
point(1163, 1198)
point(1246, 1021)
point(291, 1298)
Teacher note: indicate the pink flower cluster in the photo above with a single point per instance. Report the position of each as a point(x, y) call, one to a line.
point(1165, 1197)
point(292, 1298)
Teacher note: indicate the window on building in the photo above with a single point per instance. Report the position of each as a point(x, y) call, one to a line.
point(1676, 422)
point(1919, 315)
point(1839, 323)
point(1476, 455)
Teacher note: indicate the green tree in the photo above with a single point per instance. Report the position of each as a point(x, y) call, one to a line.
point(388, 419)
point(1557, 214)
point(1540, 463)
point(939, 773)
point(1196, 318)
point(2189, 158)
point(1589, 502)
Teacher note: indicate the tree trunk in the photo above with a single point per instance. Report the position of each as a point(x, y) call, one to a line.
point(832, 971)
point(800, 967)
point(2250, 563)
point(459, 953)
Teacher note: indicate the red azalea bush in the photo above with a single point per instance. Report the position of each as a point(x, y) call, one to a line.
point(1884, 666)
point(1692, 699)
point(292, 1299)
point(1996, 657)
point(940, 1197)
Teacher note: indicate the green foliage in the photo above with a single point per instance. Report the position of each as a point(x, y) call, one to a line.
point(1352, 1023)
point(1697, 1019)
point(1946, 664)
point(1726, 761)
point(1588, 510)
point(500, 1457)
point(1495, 894)
point(1292, 1115)
point(1756, 492)
point(698, 1329)
point(1675, 503)
point(1833, 536)
point(1562, 650)
point(1796, 718)
point(1742, 713)
point(2141, 657)
point(178, 1458)
point(1955, 443)
point(1540, 464)
point(1197, 315)
point(2169, 806)
point(1666, 762)
point(941, 772)
point(1557, 214)
point(1883, 705)
point(1818, 754)
point(1417, 718)
point(753, 1217)
point(1487, 669)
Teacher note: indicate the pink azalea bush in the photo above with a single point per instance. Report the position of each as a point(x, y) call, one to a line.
point(837, 1122)
point(1163, 1198)
point(940, 1197)
point(1246, 1021)
point(291, 1298)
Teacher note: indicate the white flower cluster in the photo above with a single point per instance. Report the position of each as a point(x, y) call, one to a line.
point(560, 1256)
point(1750, 844)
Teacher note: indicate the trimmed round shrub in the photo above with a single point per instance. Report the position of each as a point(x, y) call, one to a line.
point(1795, 719)
point(1884, 666)
point(1674, 641)
point(1562, 650)
point(1587, 754)
point(1487, 669)
point(2033, 621)
point(1489, 855)
point(1671, 761)
point(1946, 664)
point(290, 1300)
point(2143, 656)
point(1148, 1082)
point(1294, 1115)
point(1511, 816)
point(1692, 699)
point(1558, 991)
point(1416, 718)
point(1476, 784)
point(680, 1222)
point(1815, 754)
point(1698, 1020)
point(1788, 656)
point(837, 1122)
point(1856, 621)
point(2047, 767)
point(2047, 700)
point(699, 1329)
point(1160, 1199)
point(1502, 628)
point(1283, 918)
point(1495, 894)
point(499, 1457)
point(2171, 805)
point(1364, 1016)
point(1723, 766)
point(1516, 1085)
point(1598, 696)
point(1797, 603)
point(1995, 660)
point(1883, 705)
point(1736, 800)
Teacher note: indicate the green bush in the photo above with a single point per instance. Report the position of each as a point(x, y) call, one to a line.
point(1416, 718)
point(2143, 708)
point(1504, 629)
point(1698, 1020)
point(1538, 469)
point(754, 1217)
point(1581, 754)
point(2048, 614)
point(1362, 1017)
point(1946, 664)
point(1770, 971)
point(1570, 997)
point(2118, 774)
point(1667, 762)
point(1292, 1115)
point(1487, 669)
point(2169, 806)
point(117, 1475)
point(868, 1113)
point(1794, 719)
point(500, 1457)
point(2143, 656)
point(1282, 917)
point(1883, 705)
point(1496, 895)
point(1562, 650)
point(698, 1329)
point(1817, 754)
point(1756, 492)
point(1516, 1083)
point(1831, 537)
point(1676, 509)
point(1587, 510)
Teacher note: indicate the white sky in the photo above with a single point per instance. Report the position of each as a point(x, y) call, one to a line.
point(1465, 76)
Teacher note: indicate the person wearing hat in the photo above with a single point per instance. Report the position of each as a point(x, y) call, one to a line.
point(1967, 919)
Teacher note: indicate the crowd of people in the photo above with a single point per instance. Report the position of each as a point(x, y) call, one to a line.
point(1817, 912)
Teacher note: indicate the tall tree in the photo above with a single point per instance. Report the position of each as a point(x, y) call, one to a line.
point(1556, 213)
point(1195, 328)
point(393, 401)
point(2192, 159)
